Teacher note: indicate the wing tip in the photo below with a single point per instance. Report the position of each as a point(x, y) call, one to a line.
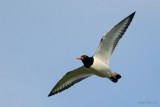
point(132, 15)
point(53, 92)
point(50, 94)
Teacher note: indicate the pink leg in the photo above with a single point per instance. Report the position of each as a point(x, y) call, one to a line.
point(113, 76)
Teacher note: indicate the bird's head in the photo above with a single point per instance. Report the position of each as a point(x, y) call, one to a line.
point(87, 61)
point(83, 57)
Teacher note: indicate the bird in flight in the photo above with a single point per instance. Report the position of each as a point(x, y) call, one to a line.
point(98, 64)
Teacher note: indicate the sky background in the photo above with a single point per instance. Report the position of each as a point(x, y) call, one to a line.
point(40, 39)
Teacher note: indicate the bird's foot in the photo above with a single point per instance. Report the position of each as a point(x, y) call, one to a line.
point(113, 78)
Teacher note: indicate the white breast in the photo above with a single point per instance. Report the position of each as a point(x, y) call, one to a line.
point(101, 69)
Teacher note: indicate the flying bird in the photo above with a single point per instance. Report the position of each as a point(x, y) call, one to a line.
point(98, 64)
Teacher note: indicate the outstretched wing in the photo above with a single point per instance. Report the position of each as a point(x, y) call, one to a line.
point(70, 78)
point(110, 39)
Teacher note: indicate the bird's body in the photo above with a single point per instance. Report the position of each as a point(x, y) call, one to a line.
point(101, 69)
point(98, 64)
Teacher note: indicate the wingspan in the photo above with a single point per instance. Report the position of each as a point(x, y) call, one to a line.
point(70, 78)
point(110, 39)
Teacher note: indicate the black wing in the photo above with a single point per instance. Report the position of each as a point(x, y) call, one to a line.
point(70, 78)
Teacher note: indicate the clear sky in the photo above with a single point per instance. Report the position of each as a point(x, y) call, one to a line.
point(40, 39)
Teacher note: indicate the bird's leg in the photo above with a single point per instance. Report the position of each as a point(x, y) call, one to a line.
point(114, 77)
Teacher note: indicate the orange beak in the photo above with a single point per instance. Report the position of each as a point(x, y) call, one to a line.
point(81, 58)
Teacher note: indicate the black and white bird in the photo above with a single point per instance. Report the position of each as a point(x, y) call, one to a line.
point(98, 64)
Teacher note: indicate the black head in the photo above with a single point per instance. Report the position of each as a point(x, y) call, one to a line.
point(87, 61)
point(83, 57)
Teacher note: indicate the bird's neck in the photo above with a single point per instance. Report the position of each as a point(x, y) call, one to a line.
point(88, 62)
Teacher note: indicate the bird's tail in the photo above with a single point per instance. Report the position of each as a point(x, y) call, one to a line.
point(114, 77)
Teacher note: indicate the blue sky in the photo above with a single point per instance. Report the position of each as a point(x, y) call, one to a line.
point(40, 39)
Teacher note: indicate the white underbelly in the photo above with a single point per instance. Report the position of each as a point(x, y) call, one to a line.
point(100, 69)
